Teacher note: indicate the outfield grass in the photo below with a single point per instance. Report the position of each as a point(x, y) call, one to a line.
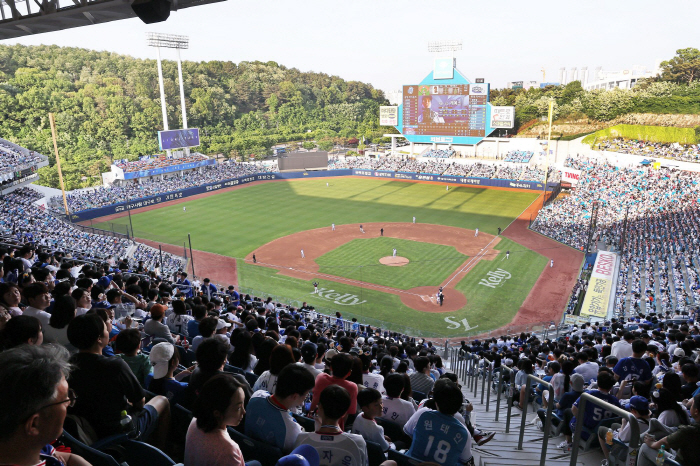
point(430, 264)
point(237, 222)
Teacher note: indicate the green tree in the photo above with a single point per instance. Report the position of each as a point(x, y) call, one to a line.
point(683, 68)
point(308, 145)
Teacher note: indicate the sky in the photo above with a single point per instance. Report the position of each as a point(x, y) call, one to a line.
point(385, 42)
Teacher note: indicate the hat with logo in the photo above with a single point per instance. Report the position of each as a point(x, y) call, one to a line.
point(160, 357)
point(361, 341)
point(309, 350)
point(640, 404)
point(577, 382)
point(158, 311)
point(303, 455)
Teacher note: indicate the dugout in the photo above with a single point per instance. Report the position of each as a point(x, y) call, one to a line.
point(295, 161)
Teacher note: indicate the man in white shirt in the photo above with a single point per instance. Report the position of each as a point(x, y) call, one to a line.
point(39, 298)
point(588, 369)
point(623, 348)
point(396, 409)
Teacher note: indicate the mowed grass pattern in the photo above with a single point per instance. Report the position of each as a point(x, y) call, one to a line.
point(237, 222)
point(429, 264)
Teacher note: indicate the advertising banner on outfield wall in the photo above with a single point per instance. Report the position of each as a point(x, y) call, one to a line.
point(153, 200)
point(389, 116)
point(595, 304)
point(569, 175)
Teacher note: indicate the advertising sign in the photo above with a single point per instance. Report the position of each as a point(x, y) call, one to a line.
point(569, 175)
point(388, 116)
point(502, 117)
point(443, 68)
point(178, 138)
point(595, 304)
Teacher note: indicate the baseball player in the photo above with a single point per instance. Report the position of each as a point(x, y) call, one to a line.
point(332, 226)
point(254, 259)
point(551, 263)
point(326, 184)
point(507, 254)
point(184, 209)
point(315, 287)
point(499, 231)
point(362, 229)
point(302, 253)
point(476, 232)
point(394, 253)
point(447, 187)
point(414, 219)
point(381, 232)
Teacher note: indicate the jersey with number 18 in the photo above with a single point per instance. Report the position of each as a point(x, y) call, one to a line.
point(440, 438)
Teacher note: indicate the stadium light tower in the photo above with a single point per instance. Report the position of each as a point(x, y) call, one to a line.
point(170, 41)
point(439, 46)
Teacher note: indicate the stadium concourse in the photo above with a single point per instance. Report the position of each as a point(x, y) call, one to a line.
point(133, 331)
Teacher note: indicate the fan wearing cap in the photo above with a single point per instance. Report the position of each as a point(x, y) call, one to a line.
point(165, 360)
point(639, 407)
point(269, 418)
point(155, 326)
point(309, 352)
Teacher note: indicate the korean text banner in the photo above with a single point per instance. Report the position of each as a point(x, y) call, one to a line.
point(595, 304)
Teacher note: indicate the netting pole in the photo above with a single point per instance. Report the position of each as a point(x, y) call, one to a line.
point(160, 248)
point(191, 255)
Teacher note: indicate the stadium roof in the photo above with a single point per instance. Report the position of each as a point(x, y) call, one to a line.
point(18, 18)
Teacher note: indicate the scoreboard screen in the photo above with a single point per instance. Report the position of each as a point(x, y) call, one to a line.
point(445, 109)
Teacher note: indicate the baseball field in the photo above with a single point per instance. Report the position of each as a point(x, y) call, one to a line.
point(276, 221)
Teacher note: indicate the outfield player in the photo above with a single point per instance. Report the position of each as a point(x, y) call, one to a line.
point(362, 229)
point(254, 259)
point(447, 187)
point(184, 209)
point(437, 436)
point(507, 254)
point(332, 226)
point(326, 184)
point(414, 219)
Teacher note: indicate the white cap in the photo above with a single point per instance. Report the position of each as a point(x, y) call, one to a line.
point(222, 324)
point(160, 357)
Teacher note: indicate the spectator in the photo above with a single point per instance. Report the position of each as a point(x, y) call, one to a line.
point(105, 386)
point(395, 408)
point(684, 440)
point(639, 407)
point(220, 404)
point(34, 397)
point(83, 301)
point(39, 299)
point(370, 401)
point(206, 329)
point(21, 330)
point(198, 313)
point(156, 328)
point(309, 352)
point(341, 366)
point(370, 379)
point(421, 379)
point(334, 404)
point(10, 298)
point(634, 367)
point(178, 321)
point(128, 344)
point(242, 356)
point(165, 360)
point(280, 358)
point(269, 417)
point(57, 330)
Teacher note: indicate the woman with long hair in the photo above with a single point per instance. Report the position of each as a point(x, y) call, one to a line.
point(386, 365)
point(242, 356)
point(280, 357)
point(263, 354)
point(57, 330)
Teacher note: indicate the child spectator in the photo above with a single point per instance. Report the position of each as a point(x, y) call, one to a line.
point(128, 344)
point(165, 359)
point(334, 446)
point(269, 418)
point(639, 407)
point(396, 409)
point(341, 366)
point(370, 401)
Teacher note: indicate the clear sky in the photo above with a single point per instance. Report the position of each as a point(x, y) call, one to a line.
point(384, 42)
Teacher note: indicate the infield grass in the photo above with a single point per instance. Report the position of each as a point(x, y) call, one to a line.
point(358, 259)
point(235, 223)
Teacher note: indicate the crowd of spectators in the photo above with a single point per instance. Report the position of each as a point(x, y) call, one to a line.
point(132, 190)
point(662, 229)
point(11, 159)
point(159, 161)
point(439, 153)
point(22, 222)
point(676, 151)
point(519, 156)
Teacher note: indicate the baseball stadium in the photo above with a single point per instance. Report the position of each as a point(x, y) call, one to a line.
point(288, 268)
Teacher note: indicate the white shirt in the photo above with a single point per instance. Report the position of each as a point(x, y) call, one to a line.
point(621, 349)
point(311, 368)
point(341, 449)
point(375, 381)
point(43, 316)
point(371, 431)
point(397, 410)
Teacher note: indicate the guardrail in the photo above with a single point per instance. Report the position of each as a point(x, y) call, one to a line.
point(548, 419)
point(586, 398)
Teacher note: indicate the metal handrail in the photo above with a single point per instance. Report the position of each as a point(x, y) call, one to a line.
point(634, 425)
point(548, 418)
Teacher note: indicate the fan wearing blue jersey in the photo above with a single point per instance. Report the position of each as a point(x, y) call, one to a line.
point(438, 437)
point(268, 417)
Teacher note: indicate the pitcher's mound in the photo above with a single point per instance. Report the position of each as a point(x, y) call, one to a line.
point(397, 261)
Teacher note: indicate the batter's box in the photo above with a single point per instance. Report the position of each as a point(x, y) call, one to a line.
point(428, 298)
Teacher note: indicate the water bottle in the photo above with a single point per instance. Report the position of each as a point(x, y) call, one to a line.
point(661, 455)
point(127, 423)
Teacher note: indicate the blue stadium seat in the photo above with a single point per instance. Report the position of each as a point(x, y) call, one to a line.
point(375, 454)
point(418, 396)
point(142, 454)
point(403, 460)
point(394, 431)
point(91, 455)
point(252, 449)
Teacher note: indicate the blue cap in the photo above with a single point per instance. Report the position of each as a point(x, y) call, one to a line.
point(640, 403)
point(303, 455)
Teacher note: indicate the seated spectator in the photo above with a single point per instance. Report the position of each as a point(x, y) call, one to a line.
point(105, 386)
point(156, 328)
point(39, 299)
point(669, 415)
point(309, 352)
point(370, 401)
point(421, 379)
point(198, 313)
point(269, 417)
point(10, 298)
point(588, 369)
point(178, 320)
point(281, 356)
point(334, 446)
point(57, 330)
point(242, 355)
point(206, 329)
point(341, 366)
point(34, 397)
point(128, 345)
point(639, 407)
point(634, 367)
point(593, 413)
point(220, 404)
point(396, 409)
point(563, 406)
point(21, 330)
point(83, 301)
point(689, 372)
point(684, 441)
point(165, 359)
point(437, 436)
point(370, 379)
point(521, 383)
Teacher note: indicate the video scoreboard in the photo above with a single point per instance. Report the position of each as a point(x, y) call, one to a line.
point(458, 110)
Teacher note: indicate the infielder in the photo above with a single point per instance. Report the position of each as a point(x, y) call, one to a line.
point(315, 287)
point(362, 229)
point(551, 263)
point(332, 226)
point(414, 219)
point(507, 254)
point(394, 253)
point(476, 232)
point(302, 253)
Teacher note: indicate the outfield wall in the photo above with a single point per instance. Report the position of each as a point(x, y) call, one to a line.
point(182, 194)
